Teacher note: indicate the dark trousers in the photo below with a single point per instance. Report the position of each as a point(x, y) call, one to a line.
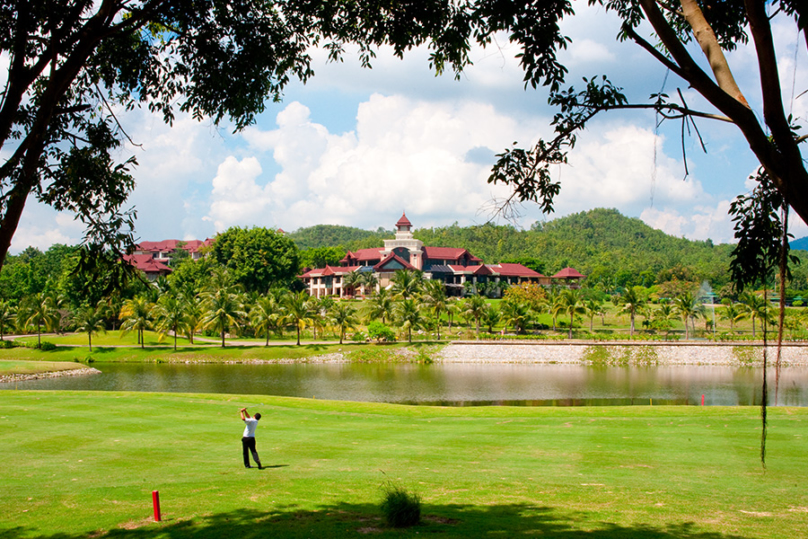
point(249, 444)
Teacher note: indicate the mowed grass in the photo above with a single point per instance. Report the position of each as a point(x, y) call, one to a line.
point(35, 367)
point(84, 464)
point(214, 354)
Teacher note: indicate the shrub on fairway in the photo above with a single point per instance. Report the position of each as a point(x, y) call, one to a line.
point(400, 508)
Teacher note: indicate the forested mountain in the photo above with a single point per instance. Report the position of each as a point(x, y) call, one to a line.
point(338, 236)
point(603, 244)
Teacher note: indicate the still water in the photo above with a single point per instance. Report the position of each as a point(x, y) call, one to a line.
point(454, 384)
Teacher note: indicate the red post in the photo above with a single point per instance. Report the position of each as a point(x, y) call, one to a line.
point(702, 399)
point(156, 500)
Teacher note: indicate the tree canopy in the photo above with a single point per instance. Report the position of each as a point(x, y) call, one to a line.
point(73, 63)
point(258, 258)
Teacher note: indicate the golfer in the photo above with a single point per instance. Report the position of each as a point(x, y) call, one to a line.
point(248, 438)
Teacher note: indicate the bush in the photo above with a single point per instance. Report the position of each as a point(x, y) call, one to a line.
point(47, 346)
point(400, 508)
point(359, 337)
point(380, 333)
point(8, 344)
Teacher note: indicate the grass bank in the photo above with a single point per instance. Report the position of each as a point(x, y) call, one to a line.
point(81, 464)
point(8, 368)
point(216, 354)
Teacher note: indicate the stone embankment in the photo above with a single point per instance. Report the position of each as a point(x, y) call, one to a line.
point(55, 374)
point(621, 354)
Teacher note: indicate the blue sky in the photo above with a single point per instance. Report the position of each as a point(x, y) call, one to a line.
point(358, 146)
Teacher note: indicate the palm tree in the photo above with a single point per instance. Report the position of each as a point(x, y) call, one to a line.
point(319, 312)
point(730, 312)
point(193, 316)
point(407, 283)
point(90, 320)
point(515, 314)
point(409, 315)
point(491, 318)
point(753, 306)
point(8, 315)
point(223, 310)
point(593, 308)
point(350, 282)
point(380, 306)
point(369, 283)
point(474, 308)
point(686, 307)
point(170, 315)
point(573, 304)
point(664, 315)
point(632, 300)
point(344, 317)
point(266, 315)
point(434, 297)
point(297, 310)
point(136, 316)
point(41, 311)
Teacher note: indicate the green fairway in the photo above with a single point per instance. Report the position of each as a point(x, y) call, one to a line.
point(84, 464)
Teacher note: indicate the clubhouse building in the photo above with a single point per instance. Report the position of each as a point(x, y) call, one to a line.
point(454, 266)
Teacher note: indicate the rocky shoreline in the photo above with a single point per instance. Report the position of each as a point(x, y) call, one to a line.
point(55, 374)
point(622, 354)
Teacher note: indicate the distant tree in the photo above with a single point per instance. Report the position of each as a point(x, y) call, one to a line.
point(369, 283)
point(409, 316)
point(686, 306)
point(407, 283)
point(194, 313)
point(8, 314)
point(515, 314)
point(90, 320)
point(474, 309)
point(730, 312)
point(223, 311)
point(136, 314)
point(320, 257)
point(491, 318)
point(343, 315)
point(434, 299)
point(380, 307)
point(754, 307)
point(258, 258)
point(632, 301)
point(41, 311)
point(573, 303)
point(297, 309)
point(350, 282)
point(266, 315)
point(593, 308)
point(170, 314)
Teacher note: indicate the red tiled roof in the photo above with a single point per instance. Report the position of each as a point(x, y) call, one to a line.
point(514, 270)
point(147, 264)
point(374, 253)
point(169, 245)
point(447, 253)
point(403, 221)
point(568, 273)
point(393, 256)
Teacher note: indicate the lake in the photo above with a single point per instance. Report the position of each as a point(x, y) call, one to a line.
point(454, 384)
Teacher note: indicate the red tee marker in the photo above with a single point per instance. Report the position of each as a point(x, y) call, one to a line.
point(156, 500)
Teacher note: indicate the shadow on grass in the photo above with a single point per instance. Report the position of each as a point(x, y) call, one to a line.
point(348, 520)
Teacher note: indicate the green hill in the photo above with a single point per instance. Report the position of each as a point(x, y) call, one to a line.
point(603, 244)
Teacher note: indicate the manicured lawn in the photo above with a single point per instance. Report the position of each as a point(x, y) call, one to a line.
point(207, 354)
point(79, 464)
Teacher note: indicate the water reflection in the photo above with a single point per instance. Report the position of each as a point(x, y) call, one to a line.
point(453, 384)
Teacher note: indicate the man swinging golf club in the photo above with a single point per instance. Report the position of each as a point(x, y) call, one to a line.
point(248, 438)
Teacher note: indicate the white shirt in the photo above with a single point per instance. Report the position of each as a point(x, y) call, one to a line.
point(249, 427)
